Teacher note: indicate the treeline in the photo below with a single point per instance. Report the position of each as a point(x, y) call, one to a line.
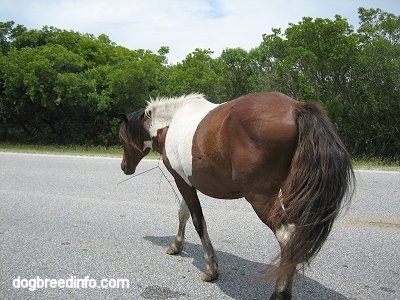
point(65, 87)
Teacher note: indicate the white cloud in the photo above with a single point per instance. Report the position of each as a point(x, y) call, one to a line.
point(183, 25)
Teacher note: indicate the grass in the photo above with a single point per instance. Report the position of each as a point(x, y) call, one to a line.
point(68, 150)
point(116, 151)
point(376, 164)
point(113, 151)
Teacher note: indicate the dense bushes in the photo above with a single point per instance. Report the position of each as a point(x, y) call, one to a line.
point(64, 87)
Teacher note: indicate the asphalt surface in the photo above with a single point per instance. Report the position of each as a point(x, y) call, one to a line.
point(66, 217)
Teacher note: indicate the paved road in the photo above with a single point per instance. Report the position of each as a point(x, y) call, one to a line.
point(66, 217)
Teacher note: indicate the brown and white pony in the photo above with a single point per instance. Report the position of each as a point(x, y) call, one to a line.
point(283, 156)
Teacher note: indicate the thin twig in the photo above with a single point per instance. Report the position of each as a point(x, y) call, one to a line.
point(170, 184)
point(138, 174)
point(163, 174)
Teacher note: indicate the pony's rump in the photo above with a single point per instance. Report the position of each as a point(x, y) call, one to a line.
point(320, 181)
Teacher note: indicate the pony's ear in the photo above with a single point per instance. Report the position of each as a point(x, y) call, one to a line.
point(124, 117)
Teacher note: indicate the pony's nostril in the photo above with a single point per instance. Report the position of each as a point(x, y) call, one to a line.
point(123, 167)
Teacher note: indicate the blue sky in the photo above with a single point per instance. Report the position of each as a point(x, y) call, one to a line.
point(183, 25)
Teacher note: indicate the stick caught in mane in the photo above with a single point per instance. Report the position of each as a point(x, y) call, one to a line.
point(283, 156)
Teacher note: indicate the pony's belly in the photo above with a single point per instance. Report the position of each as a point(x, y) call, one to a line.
point(218, 192)
point(215, 185)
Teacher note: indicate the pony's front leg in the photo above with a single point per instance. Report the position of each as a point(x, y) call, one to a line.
point(183, 215)
point(190, 197)
point(211, 272)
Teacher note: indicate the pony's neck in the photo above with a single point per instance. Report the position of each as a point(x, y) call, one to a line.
point(162, 110)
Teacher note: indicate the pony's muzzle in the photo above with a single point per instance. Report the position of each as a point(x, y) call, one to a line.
point(126, 169)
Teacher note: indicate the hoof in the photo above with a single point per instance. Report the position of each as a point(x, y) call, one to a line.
point(283, 296)
point(175, 248)
point(208, 277)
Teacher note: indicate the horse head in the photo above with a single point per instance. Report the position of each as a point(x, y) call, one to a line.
point(133, 134)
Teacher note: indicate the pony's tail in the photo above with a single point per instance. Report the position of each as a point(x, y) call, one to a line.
point(320, 181)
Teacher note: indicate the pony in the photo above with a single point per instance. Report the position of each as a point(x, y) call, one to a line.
point(283, 156)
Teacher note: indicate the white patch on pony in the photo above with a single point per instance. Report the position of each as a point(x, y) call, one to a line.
point(281, 199)
point(162, 110)
point(147, 145)
point(284, 232)
point(182, 115)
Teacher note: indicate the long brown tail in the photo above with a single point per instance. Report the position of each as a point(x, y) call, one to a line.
point(320, 181)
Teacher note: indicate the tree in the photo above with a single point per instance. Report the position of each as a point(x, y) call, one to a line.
point(195, 74)
point(375, 86)
point(313, 59)
point(8, 33)
point(59, 86)
point(238, 72)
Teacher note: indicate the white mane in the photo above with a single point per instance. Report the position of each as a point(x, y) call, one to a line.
point(161, 110)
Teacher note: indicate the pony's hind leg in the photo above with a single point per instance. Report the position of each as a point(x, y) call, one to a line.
point(284, 281)
point(177, 245)
point(262, 205)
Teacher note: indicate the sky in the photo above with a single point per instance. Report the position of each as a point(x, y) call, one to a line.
point(182, 25)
